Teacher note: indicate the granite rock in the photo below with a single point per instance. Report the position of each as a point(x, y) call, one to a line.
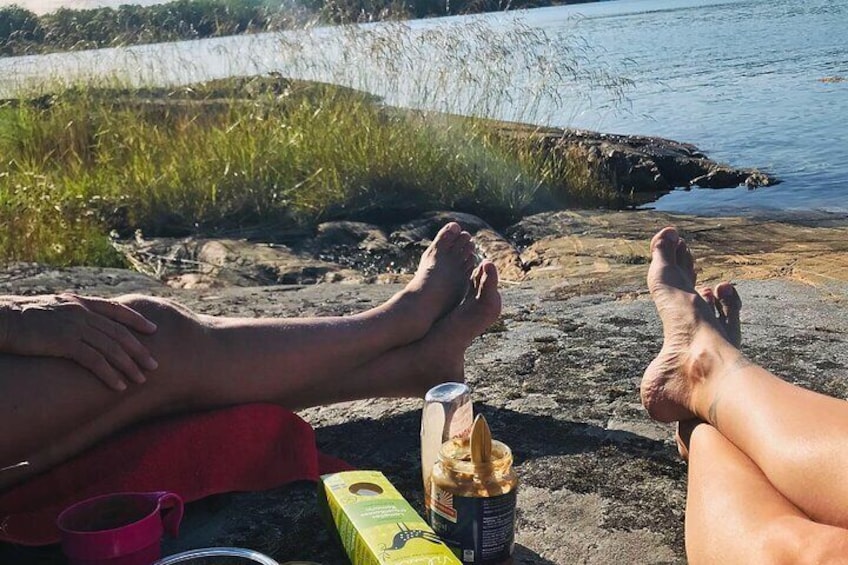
point(557, 377)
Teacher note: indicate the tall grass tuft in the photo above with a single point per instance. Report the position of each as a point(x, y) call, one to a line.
point(83, 162)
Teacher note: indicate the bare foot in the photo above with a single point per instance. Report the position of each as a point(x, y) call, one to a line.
point(443, 349)
point(727, 303)
point(684, 434)
point(440, 281)
point(677, 385)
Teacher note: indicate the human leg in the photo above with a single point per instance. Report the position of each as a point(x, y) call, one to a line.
point(795, 436)
point(735, 515)
point(298, 362)
point(52, 408)
point(413, 369)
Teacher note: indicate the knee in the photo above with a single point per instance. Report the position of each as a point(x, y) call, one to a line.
point(178, 334)
point(161, 311)
point(799, 540)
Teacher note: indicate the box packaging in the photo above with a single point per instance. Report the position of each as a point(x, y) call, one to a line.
point(376, 525)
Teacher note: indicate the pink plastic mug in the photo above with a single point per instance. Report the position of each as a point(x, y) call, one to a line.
point(119, 529)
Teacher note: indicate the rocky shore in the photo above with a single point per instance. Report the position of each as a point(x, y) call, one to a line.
point(641, 168)
point(557, 376)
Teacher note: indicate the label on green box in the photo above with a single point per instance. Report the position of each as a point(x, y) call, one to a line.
point(376, 525)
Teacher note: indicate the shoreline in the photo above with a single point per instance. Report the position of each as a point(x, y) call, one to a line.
point(578, 252)
point(23, 40)
point(239, 156)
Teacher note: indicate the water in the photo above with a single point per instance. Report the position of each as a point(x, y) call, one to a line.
point(740, 79)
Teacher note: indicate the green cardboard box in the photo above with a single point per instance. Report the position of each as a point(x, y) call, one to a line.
point(376, 525)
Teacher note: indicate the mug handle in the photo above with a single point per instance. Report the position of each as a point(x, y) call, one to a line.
point(171, 506)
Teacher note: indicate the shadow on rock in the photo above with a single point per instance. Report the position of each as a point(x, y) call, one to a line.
point(527, 556)
point(391, 442)
point(640, 479)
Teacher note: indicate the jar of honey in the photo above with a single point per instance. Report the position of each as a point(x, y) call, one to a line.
point(472, 503)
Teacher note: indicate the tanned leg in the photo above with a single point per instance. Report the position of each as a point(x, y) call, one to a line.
point(52, 409)
point(438, 357)
point(734, 515)
point(796, 437)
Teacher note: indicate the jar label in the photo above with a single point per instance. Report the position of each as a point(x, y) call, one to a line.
point(478, 530)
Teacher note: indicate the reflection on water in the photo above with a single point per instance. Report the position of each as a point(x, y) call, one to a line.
point(740, 79)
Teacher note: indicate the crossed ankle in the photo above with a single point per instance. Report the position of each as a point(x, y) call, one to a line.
point(709, 391)
point(706, 367)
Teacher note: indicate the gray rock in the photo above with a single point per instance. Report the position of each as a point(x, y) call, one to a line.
point(638, 168)
point(557, 378)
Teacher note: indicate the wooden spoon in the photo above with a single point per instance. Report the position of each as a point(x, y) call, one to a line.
point(480, 444)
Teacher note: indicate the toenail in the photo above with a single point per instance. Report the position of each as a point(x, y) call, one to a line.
point(665, 240)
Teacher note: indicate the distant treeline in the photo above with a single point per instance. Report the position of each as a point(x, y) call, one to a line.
point(24, 33)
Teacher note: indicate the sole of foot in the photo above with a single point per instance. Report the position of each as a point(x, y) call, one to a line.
point(677, 382)
point(443, 349)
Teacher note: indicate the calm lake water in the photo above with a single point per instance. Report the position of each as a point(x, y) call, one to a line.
point(740, 79)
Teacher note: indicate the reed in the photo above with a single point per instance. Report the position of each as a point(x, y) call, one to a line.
point(86, 162)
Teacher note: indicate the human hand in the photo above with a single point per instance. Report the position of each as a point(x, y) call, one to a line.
point(93, 332)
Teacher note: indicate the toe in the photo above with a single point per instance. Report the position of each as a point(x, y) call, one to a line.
point(664, 271)
point(488, 278)
point(462, 241)
point(468, 248)
point(707, 294)
point(729, 306)
point(475, 281)
point(470, 265)
point(487, 291)
point(484, 281)
point(447, 236)
point(664, 246)
point(684, 260)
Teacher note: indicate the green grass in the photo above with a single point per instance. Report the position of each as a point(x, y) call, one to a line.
point(232, 155)
point(93, 158)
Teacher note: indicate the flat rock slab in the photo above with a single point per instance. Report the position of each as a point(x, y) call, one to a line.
point(557, 378)
point(581, 251)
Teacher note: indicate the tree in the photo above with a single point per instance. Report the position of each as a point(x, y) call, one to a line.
point(19, 28)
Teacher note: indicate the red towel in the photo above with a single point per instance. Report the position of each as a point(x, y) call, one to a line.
point(245, 448)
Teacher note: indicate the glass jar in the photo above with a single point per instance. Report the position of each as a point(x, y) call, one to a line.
point(448, 413)
point(472, 507)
